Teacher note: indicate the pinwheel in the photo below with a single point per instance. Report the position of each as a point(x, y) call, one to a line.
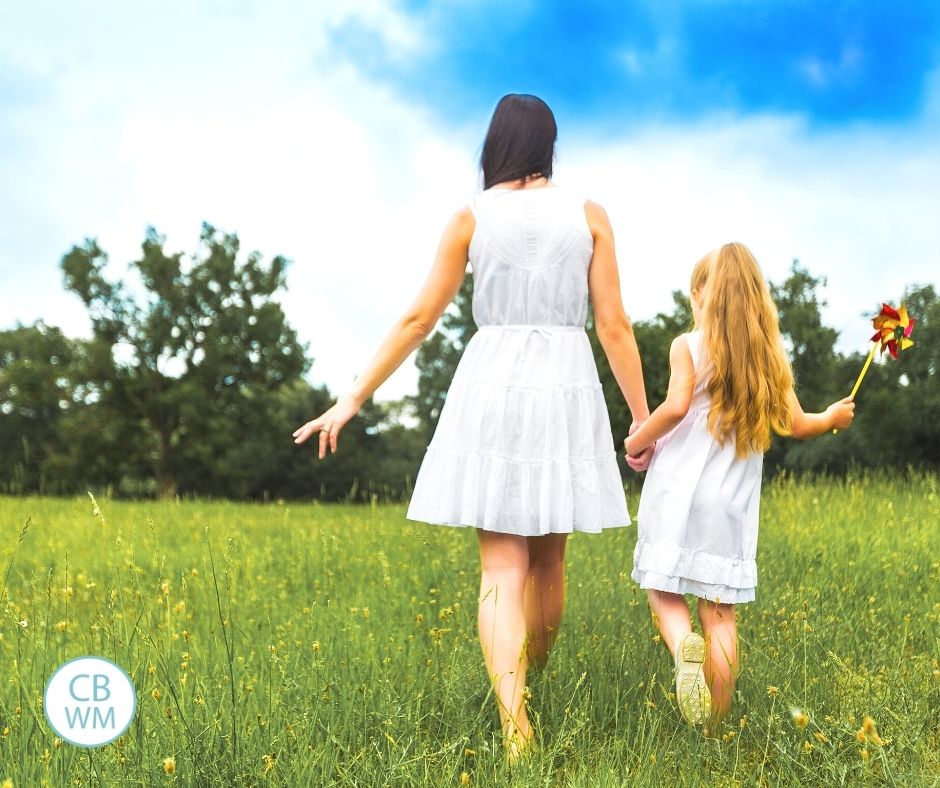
point(893, 328)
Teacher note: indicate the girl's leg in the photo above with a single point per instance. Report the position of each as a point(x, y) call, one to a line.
point(504, 560)
point(721, 660)
point(688, 651)
point(671, 615)
point(544, 594)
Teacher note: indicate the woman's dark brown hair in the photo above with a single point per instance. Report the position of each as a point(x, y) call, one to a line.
point(520, 140)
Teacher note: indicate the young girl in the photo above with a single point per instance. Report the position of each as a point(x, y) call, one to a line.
point(523, 450)
point(730, 386)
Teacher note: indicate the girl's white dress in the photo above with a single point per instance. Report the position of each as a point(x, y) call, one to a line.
point(698, 512)
point(523, 444)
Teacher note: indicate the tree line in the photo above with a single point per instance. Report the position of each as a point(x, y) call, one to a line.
point(193, 381)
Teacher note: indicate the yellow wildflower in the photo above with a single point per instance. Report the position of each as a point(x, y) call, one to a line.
point(800, 718)
point(169, 765)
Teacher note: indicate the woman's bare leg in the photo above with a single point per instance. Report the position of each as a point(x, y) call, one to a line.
point(504, 561)
point(544, 594)
point(671, 615)
point(721, 654)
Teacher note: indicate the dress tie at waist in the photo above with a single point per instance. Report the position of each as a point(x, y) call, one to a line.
point(545, 330)
point(531, 330)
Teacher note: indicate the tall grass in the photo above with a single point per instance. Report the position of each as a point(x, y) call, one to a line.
point(336, 645)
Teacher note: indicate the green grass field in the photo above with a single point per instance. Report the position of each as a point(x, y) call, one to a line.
point(309, 645)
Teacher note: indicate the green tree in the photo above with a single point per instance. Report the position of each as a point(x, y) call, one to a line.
point(438, 356)
point(811, 344)
point(35, 390)
point(815, 365)
point(901, 403)
point(189, 358)
point(377, 455)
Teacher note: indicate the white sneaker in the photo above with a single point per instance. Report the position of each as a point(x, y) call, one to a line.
point(692, 693)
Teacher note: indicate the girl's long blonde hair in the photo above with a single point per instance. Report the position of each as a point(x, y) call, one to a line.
point(750, 376)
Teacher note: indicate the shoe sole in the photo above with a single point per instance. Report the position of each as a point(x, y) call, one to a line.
point(692, 693)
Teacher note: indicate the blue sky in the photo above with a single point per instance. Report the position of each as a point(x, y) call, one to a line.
point(601, 64)
point(344, 135)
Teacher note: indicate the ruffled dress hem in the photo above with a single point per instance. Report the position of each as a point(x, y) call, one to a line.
point(524, 497)
point(713, 592)
point(503, 528)
point(678, 570)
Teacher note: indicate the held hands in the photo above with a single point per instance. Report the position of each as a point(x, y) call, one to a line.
point(841, 413)
point(640, 462)
point(329, 424)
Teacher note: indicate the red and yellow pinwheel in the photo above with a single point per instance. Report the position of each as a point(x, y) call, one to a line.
point(894, 327)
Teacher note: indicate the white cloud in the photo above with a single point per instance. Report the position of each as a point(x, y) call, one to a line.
point(240, 118)
point(820, 73)
point(856, 205)
point(256, 134)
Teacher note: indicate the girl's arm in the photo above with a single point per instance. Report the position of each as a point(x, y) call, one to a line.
point(837, 416)
point(409, 331)
point(611, 323)
point(676, 404)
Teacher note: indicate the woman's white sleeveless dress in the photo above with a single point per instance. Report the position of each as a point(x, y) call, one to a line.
point(523, 444)
point(698, 513)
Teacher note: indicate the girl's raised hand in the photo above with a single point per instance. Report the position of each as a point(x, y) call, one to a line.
point(329, 424)
point(842, 413)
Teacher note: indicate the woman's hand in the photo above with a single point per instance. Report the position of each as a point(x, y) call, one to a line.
point(640, 462)
point(329, 424)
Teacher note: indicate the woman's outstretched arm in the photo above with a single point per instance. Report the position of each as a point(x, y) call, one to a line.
point(406, 335)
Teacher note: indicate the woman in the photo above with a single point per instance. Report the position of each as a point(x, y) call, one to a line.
point(523, 449)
